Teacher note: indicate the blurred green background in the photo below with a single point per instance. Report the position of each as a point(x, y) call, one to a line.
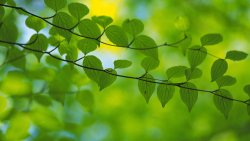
point(119, 112)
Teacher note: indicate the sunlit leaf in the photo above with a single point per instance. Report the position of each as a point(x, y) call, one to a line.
point(225, 80)
point(182, 23)
point(88, 28)
point(149, 63)
point(196, 55)
point(143, 42)
point(188, 95)
point(78, 10)
point(219, 67)
point(146, 88)
point(236, 55)
point(103, 21)
point(211, 39)
point(35, 23)
point(193, 73)
point(72, 53)
point(176, 71)
point(86, 99)
point(5, 105)
point(56, 4)
point(38, 42)
point(117, 35)
point(223, 102)
point(107, 79)
point(247, 89)
point(165, 93)
point(120, 64)
point(91, 61)
point(133, 27)
point(18, 128)
point(87, 45)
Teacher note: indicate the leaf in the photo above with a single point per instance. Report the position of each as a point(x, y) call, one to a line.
point(236, 55)
point(72, 53)
point(196, 55)
point(43, 99)
point(56, 4)
point(149, 63)
point(184, 45)
point(188, 95)
point(5, 29)
point(116, 35)
point(18, 127)
point(211, 39)
point(120, 64)
point(78, 10)
point(143, 42)
point(40, 44)
point(193, 73)
point(225, 80)
point(103, 21)
point(2, 12)
point(63, 20)
point(92, 63)
point(86, 99)
point(165, 93)
point(107, 79)
point(88, 28)
point(176, 71)
point(248, 108)
point(87, 45)
point(146, 88)
point(218, 69)
point(182, 23)
point(221, 102)
point(35, 23)
point(247, 89)
point(133, 27)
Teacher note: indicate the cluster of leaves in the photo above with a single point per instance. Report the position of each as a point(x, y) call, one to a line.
point(70, 33)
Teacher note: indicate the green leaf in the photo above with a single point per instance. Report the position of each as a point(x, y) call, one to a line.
point(193, 73)
point(43, 99)
point(176, 71)
point(35, 23)
point(222, 103)
point(211, 39)
point(16, 58)
point(2, 12)
point(88, 28)
point(165, 93)
point(149, 63)
point(225, 80)
point(146, 88)
point(188, 95)
point(247, 89)
point(218, 69)
point(116, 35)
point(87, 45)
point(72, 53)
point(91, 61)
point(40, 44)
point(248, 108)
point(78, 10)
point(18, 127)
point(56, 4)
point(106, 79)
point(196, 55)
point(142, 42)
point(86, 99)
point(5, 29)
point(184, 45)
point(133, 27)
point(120, 64)
point(236, 55)
point(63, 20)
point(103, 21)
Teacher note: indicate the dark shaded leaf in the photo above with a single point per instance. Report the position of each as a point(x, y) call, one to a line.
point(211, 39)
point(176, 71)
point(236, 55)
point(120, 64)
point(247, 89)
point(107, 79)
point(193, 73)
point(188, 95)
point(87, 45)
point(218, 69)
point(146, 88)
point(117, 35)
point(196, 55)
point(221, 102)
point(149, 63)
point(165, 93)
point(225, 80)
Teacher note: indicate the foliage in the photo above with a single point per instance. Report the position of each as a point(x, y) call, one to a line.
point(69, 48)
